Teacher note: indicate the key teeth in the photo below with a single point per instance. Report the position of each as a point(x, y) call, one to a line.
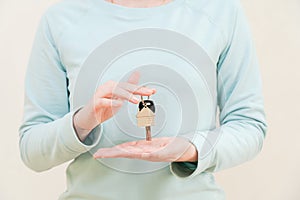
point(148, 133)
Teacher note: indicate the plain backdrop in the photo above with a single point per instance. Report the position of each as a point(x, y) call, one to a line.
point(273, 175)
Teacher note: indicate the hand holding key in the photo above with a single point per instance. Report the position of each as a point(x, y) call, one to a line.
point(106, 101)
point(165, 149)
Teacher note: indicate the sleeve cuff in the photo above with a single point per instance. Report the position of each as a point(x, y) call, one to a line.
point(205, 158)
point(72, 142)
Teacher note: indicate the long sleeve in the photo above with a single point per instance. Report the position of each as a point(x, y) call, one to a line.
point(47, 137)
point(242, 120)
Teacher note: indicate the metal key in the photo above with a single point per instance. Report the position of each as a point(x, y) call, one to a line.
point(145, 116)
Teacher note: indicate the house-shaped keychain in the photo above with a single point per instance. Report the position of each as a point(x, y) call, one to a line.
point(145, 116)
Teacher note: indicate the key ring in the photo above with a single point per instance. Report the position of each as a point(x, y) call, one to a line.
point(145, 105)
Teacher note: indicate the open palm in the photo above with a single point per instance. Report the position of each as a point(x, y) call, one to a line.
point(166, 149)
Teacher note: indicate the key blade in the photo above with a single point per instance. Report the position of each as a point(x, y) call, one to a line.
point(148, 133)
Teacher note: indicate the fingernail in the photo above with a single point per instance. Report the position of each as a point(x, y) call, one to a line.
point(96, 156)
point(152, 91)
point(148, 90)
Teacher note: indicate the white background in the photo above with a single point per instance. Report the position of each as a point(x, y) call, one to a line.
point(273, 175)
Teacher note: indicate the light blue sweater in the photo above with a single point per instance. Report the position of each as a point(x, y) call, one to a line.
point(70, 30)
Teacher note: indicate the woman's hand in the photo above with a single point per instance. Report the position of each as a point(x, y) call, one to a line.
point(166, 149)
point(107, 100)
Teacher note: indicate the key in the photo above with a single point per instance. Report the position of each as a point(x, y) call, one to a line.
point(145, 116)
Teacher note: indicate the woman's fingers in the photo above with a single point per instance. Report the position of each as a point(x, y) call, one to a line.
point(145, 150)
point(108, 103)
point(108, 153)
point(110, 96)
point(117, 152)
point(130, 152)
point(110, 90)
point(119, 92)
point(124, 91)
point(135, 89)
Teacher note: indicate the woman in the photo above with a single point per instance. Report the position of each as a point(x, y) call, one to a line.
point(51, 134)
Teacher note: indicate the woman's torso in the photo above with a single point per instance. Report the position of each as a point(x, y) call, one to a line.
point(81, 27)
